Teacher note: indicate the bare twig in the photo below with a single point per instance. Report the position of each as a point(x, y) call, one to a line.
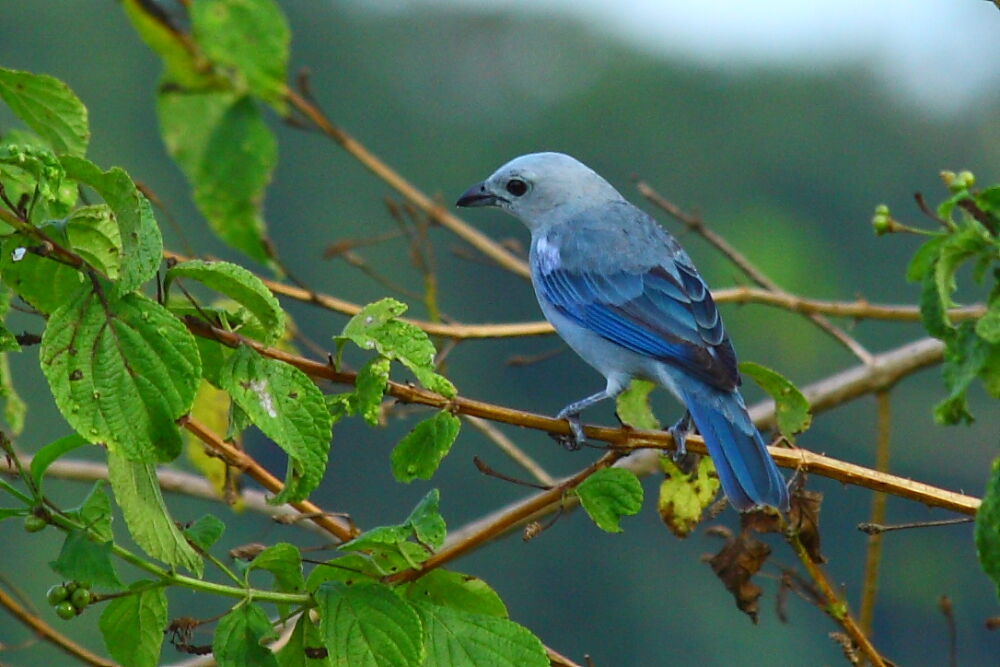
point(50, 634)
point(876, 528)
point(697, 225)
point(512, 450)
point(873, 555)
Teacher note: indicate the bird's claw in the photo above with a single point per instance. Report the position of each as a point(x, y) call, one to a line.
point(575, 439)
point(679, 432)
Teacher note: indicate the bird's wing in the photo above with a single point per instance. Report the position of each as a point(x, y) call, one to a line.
point(660, 308)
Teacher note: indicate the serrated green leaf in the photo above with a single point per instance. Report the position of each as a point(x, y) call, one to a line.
point(932, 310)
point(205, 532)
point(31, 171)
point(137, 492)
point(965, 355)
point(633, 405)
point(41, 461)
point(133, 625)
point(41, 281)
point(227, 152)
point(249, 36)
point(93, 234)
point(988, 528)
point(792, 409)
point(14, 407)
point(284, 561)
point(95, 512)
point(142, 244)
point(427, 522)
point(458, 638)
point(239, 285)
point(922, 262)
point(462, 592)
point(376, 328)
point(608, 495)
point(48, 107)
point(368, 625)
point(121, 372)
point(370, 386)
point(300, 651)
point(239, 638)
point(988, 326)
point(82, 559)
point(683, 497)
point(958, 248)
point(420, 452)
point(288, 408)
point(347, 569)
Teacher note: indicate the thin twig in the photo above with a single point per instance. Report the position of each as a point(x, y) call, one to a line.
point(876, 528)
point(50, 634)
point(873, 555)
point(508, 447)
point(835, 606)
point(697, 225)
point(337, 527)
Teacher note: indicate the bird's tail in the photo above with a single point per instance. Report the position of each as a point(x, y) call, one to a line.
point(746, 470)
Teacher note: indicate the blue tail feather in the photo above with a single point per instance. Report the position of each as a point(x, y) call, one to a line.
point(746, 470)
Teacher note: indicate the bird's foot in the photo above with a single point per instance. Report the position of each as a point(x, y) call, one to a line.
point(577, 437)
point(679, 432)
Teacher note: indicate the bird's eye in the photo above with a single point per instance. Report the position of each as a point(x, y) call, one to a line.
point(517, 187)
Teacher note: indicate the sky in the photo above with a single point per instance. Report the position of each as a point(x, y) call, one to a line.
point(943, 52)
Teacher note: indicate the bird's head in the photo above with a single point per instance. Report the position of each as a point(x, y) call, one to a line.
point(541, 189)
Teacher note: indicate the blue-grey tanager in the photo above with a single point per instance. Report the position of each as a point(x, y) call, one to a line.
point(626, 297)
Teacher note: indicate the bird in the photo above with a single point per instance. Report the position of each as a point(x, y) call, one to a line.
point(622, 293)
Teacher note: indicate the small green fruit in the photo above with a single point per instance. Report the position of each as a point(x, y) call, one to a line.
point(33, 523)
point(80, 598)
point(71, 586)
point(65, 610)
point(57, 594)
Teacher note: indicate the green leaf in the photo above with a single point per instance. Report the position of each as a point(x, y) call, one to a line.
point(459, 638)
point(183, 65)
point(48, 107)
point(959, 247)
point(41, 461)
point(988, 326)
point(133, 625)
point(367, 624)
point(227, 152)
point(121, 371)
point(684, 497)
point(142, 244)
point(462, 592)
point(633, 405)
point(205, 532)
point(284, 561)
point(14, 409)
point(82, 559)
point(420, 452)
point(137, 491)
point(610, 494)
point(988, 527)
point(33, 172)
point(302, 646)
point(791, 405)
point(41, 281)
point(239, 638)
point(95, 512)
point(347, 569)
point(238, 284)
point(965, 355)
point(426, 520)
point(370, 386)
point(925, 258)
point(249, 36)
point(93, 234)
point(288, 408)
point(376, 328)
point(932, 310)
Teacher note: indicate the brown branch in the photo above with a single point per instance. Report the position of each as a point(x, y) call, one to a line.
point(50, 634)
point(836, 607)
point(873, 555)
point(407, 190)
point(334, 525)
point(886, 370)
point(697, 225)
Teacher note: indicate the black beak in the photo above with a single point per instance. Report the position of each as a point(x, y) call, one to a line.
point(477, 196)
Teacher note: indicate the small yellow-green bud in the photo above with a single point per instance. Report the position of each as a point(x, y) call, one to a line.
point(966, 179)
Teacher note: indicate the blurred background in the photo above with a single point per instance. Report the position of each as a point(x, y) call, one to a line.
point(782, 123)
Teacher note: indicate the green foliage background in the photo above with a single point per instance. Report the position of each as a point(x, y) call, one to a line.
point(787, 164)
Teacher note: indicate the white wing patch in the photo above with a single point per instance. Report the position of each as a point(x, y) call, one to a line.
point(547, 255)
